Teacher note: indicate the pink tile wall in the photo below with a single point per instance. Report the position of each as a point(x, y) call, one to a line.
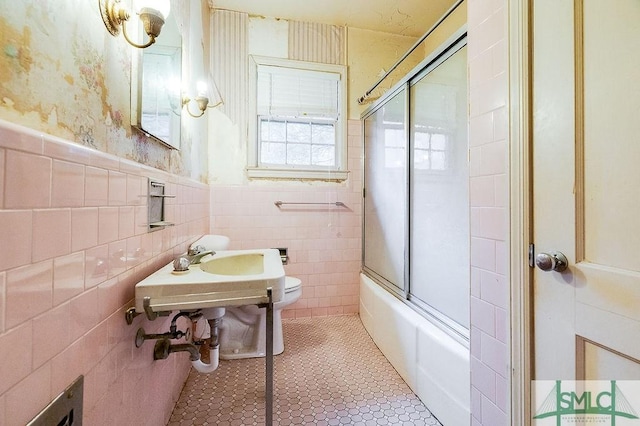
point(489, 145)
point(74, 244)
point(324, 242)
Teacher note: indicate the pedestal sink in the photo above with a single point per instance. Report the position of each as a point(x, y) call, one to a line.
point(228, 278)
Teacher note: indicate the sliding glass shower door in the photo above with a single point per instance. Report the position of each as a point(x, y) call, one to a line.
point(416, 218)
point(439, 195)
point(385, 198)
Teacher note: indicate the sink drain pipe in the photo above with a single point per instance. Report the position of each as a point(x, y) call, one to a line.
point(164, 348)
point(214, 350)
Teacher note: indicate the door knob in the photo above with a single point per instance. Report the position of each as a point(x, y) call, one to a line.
point(554, 261)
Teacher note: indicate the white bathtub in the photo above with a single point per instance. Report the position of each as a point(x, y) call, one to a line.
point(433, 364)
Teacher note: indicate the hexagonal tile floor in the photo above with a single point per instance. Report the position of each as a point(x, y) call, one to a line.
point(331, 373)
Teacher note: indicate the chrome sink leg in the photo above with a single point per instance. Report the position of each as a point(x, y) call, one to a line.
point(269, 361)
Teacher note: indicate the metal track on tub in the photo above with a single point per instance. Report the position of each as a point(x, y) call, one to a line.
point(336, 203)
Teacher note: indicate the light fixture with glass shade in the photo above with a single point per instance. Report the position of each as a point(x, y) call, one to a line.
point(152, 13)
point(202, 98)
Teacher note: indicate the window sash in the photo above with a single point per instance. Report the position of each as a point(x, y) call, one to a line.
point(284, 148)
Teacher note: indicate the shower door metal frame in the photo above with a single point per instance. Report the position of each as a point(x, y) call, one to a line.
point(457, 41)
point(401, 292)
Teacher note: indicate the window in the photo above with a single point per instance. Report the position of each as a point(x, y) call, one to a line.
point(297, 124)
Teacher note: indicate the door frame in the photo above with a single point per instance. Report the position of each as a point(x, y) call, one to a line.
point(519, 29)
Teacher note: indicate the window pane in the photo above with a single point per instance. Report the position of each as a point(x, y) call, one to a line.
point(304, 143)
point(299, 132)
point(273, 153)
point(274, 131)
point(323, 155)
point(323, 134)
point(299, 154)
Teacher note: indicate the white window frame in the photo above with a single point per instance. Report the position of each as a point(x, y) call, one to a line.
point(254, 168)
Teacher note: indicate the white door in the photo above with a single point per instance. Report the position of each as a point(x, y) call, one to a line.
point(586, 197)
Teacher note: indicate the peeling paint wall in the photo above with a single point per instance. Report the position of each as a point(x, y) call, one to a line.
point(372, 53)
point(237, 35)
point(62, 73)
point(456, 20)
point(367, 54)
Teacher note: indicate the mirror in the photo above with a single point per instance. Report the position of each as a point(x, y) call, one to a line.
point(156, 106)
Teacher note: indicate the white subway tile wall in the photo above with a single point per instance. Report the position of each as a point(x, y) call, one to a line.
point(489, 146)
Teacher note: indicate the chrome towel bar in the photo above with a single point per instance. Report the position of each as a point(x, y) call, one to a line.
point(337, 204)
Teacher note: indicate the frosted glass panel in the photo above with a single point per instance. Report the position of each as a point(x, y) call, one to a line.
point(439, 194)
point(385, 185)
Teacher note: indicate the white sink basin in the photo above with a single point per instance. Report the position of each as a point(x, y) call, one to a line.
point(229, 278)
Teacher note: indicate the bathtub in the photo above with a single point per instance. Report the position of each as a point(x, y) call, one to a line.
point(434, 365)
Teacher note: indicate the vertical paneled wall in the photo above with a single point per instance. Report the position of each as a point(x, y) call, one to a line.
point(229, 61)
point(314, 42)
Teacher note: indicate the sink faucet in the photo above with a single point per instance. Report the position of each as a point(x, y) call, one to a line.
point(194, 256)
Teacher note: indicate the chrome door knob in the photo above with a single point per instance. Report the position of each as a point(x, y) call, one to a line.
point(554, 261)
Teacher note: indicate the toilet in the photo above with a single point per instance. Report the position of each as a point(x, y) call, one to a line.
point(243, 328)
point(242, 333)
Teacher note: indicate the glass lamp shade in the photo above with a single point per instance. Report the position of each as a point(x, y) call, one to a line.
point(162, 6)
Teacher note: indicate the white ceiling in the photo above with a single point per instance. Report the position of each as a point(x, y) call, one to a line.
point(406, 17)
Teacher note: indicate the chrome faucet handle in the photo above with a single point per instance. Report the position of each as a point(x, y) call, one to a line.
point(181, 264)
point(196, 250)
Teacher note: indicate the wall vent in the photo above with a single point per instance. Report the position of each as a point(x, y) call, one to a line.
point(65, 409)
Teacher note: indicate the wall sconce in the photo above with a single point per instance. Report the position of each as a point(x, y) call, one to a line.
point(202, 100)
point(152, 13)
